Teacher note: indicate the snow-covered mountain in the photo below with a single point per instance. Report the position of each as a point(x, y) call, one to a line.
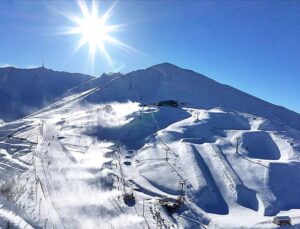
point(105, 155)
point(23, 91)
point(166, 81)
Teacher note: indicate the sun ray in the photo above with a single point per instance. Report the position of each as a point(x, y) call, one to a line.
point(95, 31)
point(83, 8)
point(129, 49)
point(108, 14)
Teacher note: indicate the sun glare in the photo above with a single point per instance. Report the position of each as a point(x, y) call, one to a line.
point(94, 30)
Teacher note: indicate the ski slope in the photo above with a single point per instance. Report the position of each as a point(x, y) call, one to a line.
point(70, 164)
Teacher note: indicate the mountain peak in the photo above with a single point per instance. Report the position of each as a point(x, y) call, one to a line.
point(164, 65)
point(166, 69)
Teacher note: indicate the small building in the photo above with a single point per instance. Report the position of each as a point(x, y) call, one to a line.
point(282, 220)
point(170, 203)
point(168, 103)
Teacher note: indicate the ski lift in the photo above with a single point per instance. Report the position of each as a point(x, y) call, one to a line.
point(129, 199)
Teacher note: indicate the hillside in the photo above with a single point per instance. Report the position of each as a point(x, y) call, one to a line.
point(23, 91)
point(166, 81)
point(228, 159)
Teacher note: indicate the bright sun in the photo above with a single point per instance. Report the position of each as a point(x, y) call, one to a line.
point(94, 30)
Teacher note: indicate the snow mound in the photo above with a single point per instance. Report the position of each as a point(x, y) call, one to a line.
point(260, 145)
point(287, 193)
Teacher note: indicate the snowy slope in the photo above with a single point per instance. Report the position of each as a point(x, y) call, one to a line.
point(70, 164)
point(23, 91)
point(167, 81)
point(96, 82)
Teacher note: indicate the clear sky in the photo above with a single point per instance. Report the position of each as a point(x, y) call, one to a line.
point(251, 45)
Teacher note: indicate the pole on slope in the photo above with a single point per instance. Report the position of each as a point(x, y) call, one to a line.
point(40, 208)
point(46, 223)
point(237, 146)
point(181, 183)
point(167, 153)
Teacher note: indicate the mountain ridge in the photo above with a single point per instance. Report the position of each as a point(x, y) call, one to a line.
point(27, 90)
point(108, 138)
point(189, 86)
point(166, 81)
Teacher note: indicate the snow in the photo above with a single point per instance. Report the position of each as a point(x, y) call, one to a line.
point(23, 91)
point(70, 164)
point(259, 144)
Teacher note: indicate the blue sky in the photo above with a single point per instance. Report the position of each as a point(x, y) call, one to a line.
point(250, 45)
